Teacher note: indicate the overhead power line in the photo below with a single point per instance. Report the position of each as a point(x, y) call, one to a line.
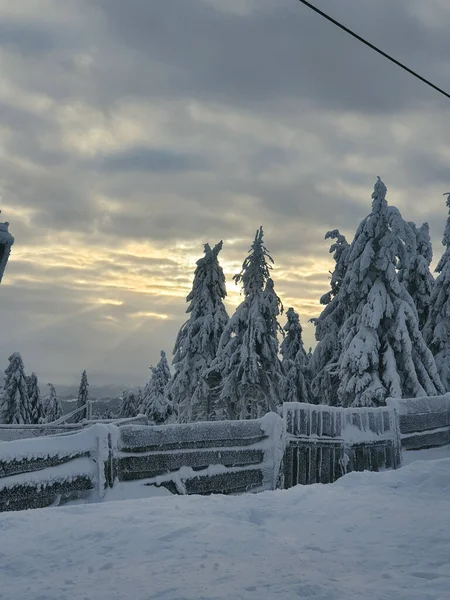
point(365, 42)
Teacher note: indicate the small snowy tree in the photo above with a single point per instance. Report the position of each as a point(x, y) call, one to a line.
point(155, 403)
point(416, 275)
point(295, 360)
point(52, 405)
point(383, 352)
point(247, 360)
point(324, 359)
point(437, 328)
point(14, 401)
point(128, 406)
point(108, 413)
point(83, 398)
point(36, 404)
point(196, 346)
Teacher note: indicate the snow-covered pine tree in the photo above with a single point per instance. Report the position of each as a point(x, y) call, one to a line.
point(340, 249)
point(14, 401)
point(108, 413)
point(383, 351)
point(36, 404)
point(253, 381)
point(417, 277)
point(83, 398)
point(52, 406)
point(155, 403)
point(196, 346)
point(295, 360)
point(128, 406)
point(324, 359)
point(140, 401)
point(437, 328)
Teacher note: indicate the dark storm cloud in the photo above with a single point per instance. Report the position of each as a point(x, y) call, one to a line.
point(153, 127)
point(283, 51)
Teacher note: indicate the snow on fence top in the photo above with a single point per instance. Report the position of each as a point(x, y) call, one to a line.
point(350, 424)
point(43, 447)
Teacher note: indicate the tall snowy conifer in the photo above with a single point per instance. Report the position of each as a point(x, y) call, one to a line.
point(14, 401)
point(437, 328)
point(324, 360)
point(416, 276)
point(155, 402)
point(253, 382)
point(128, 406)
point(191, 391)
point(383, 351)
point(52, 406)
point(295, 360)
point(36, 404)
point(83, 398)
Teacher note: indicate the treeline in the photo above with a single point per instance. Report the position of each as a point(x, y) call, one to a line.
point(384, 332)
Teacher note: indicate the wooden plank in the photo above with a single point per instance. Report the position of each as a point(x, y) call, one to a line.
point(192, 435)
point(295, 466)
point(326, 424)
point(303, 421)
point(303, 464)
point(150, 465)
point(288, 454)
point(325, 465)
point(313, 458)
point(23, 497)
point(426, 440)
point(421, 422)
point(225, 483)
point(16, 467)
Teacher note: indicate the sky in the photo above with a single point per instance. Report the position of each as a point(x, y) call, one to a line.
point(131, 133)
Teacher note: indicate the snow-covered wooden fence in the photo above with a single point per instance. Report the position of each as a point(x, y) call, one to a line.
point(324, 443)
point(200, 458)
point(424, 422)
point(40, 472)
point(203, 458)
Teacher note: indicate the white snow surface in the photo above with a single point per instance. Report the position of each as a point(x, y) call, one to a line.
point(377, 536)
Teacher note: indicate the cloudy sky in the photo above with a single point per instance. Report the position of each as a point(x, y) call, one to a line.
point(131, 133)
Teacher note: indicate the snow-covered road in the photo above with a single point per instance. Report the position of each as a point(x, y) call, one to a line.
point(371, 536)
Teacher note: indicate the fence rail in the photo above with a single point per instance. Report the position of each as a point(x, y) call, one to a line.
point(423, 422)
point(306, 444)
point(204, 458)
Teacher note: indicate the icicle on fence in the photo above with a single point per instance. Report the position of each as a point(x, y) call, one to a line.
point(324, 443)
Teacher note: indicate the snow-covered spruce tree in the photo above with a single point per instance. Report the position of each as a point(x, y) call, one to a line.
point(108, 413)
point(323, 363)
point(252, 378)
point(416, 276)
point(383, 353)
point(34, 396)
point(128, 406)
point(191, 391)
point(295, 360)
point(340, 249)
point(52, 406)
point(83, 398)
point(14, 401)
point(155, 403)
point(437, 328)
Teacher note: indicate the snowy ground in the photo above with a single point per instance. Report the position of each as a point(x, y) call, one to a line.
point(429, 454)
point(370, 536)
